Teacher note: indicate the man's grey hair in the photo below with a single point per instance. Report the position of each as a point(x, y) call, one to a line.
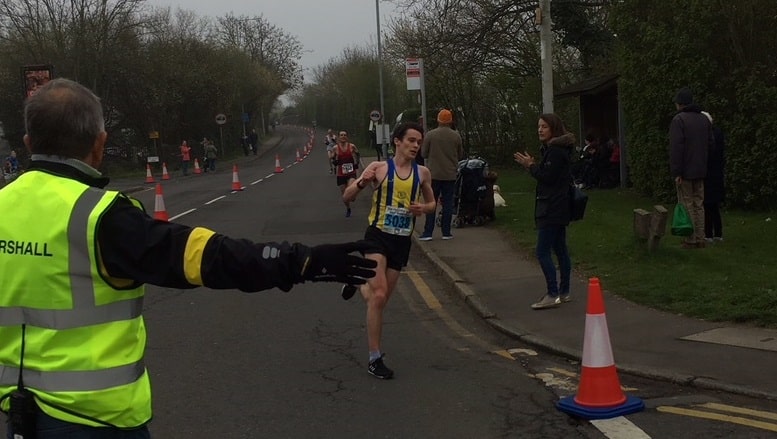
point(63, 118)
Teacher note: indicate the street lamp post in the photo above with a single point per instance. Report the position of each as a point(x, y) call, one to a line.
point(380, 79)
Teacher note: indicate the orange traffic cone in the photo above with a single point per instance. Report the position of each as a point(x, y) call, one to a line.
point(149, 177)
point(165, 175)
point(236, 186)
point(278, 168)
point(298, 159)
point(159, 205)
point(197, 169)
point(599, 394)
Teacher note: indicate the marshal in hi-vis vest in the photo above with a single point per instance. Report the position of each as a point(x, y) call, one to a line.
point(84, 339)
point(391, 202)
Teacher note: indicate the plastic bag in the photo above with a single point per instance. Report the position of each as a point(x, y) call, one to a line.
point(681, 221)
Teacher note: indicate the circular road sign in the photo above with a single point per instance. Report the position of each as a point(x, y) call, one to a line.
point(221, 119)
point(375, 115)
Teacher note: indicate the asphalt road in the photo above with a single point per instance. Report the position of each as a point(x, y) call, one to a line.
point(293, 365)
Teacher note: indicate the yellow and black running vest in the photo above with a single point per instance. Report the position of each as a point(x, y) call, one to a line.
point(391, 201)
point(84, 340)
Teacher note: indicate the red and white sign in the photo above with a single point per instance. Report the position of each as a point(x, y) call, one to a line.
point(413, 72)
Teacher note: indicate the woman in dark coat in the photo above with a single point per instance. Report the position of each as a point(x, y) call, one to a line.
point(714, 189)
point(551, 208)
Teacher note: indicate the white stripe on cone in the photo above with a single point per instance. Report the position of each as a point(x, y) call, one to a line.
point(597, 351)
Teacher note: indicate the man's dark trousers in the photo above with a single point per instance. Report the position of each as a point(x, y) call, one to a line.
point(444, 191)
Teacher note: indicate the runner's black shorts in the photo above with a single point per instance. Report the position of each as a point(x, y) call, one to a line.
point(344, 180)
point(395, 248)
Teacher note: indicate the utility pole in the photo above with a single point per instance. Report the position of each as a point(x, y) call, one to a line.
point(379, 135)
point(546, 53)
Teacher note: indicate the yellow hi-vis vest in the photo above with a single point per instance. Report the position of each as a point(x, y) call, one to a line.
point(84, 339)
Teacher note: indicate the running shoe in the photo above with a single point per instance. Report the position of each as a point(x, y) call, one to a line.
point(379, 370)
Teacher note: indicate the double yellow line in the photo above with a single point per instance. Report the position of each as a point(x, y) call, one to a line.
point(726, 413)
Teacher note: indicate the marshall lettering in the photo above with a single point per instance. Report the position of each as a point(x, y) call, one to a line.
point(25, 248)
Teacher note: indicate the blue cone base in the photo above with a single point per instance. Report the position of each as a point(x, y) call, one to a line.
point(569, 406)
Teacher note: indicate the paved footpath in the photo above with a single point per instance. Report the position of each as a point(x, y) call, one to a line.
point(500, 283)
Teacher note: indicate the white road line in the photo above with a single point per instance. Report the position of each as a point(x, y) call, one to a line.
point(619, 428)
point(215, 199)
point(257, 181)
point(268, 176)
point(182, 214)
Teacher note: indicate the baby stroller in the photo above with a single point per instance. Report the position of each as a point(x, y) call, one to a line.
point(470, 193)
point(10, 170)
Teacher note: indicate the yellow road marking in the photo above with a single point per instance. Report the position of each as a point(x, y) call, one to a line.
point(503, 353)
point(740, 410)
point(718, 417)
point(563, 372)
point(424, 290)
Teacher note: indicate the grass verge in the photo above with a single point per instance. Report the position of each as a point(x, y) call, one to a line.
point(734, 280)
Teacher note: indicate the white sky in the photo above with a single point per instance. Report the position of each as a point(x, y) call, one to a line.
point(324, 27)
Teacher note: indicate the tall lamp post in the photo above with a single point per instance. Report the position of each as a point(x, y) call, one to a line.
point(379, 135)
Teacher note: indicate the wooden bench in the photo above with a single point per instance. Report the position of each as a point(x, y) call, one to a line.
point(651, 226)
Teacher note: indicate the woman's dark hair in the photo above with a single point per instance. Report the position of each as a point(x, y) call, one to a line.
point(555, 123)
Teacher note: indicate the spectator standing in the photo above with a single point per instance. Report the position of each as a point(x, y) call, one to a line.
point(210, 154)
point(551, 205)
point(253, 141)
point(442, 150)
point(714, 185)
point(690, 140)
point(186, 157)
point(80, 329)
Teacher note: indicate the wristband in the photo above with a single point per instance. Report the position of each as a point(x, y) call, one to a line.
point(359, 184)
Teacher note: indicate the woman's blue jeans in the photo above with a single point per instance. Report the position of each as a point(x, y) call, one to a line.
point(554, 239)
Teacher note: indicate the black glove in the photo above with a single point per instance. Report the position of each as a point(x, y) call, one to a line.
point(335, 263)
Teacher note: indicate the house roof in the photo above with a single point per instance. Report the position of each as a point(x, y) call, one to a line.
point(589, 86)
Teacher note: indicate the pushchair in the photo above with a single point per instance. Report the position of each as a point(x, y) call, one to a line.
point(470, 193)
point(10, 171)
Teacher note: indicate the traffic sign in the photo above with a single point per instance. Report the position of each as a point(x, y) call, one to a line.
point(375, 115)
point(221, 119)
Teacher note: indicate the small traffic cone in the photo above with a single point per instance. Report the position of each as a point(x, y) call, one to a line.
point(236, 186)
point(197, 169)
point(149, 177)
point(278, 168)
point(165, 175)
point(306, 149)
point(159, 205)
point(599, 394)
point(298, 159)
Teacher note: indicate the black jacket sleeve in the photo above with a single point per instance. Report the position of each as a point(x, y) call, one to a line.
point(134, 246)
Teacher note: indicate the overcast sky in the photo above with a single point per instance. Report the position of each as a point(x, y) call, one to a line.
point(324, 27)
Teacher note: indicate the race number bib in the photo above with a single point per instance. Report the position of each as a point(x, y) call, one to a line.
point(347, 168)
point(398, 221)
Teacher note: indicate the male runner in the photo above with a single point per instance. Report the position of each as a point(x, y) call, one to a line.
point(397, 184)
point(346, 158)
